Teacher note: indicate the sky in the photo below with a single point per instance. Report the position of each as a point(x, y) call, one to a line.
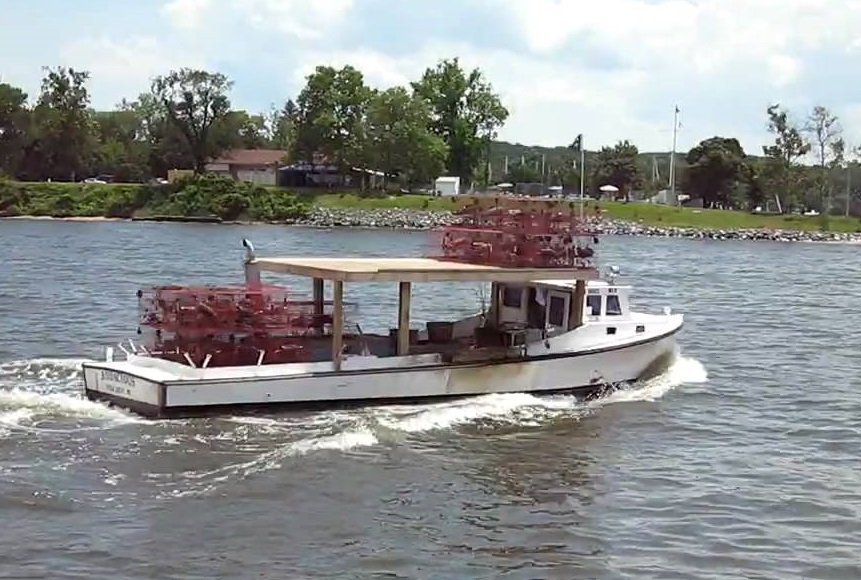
point(612, 70)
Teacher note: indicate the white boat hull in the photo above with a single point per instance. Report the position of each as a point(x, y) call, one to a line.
point(154, 392)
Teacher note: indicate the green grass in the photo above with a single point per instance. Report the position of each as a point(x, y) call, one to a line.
point(660, 215)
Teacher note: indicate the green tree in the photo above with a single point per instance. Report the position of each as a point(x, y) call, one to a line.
point(330, 116)
point(62, 125)
point(718, 172)
point(789, 146)
point(121, 149)
point(166, 146)
point(524, 171)
point(618, 166)
point(195, 101)
point(280, 126)
point(466, 113)
point(825, 134)
point(250, 130)
point(399, 141)
point(568, 176)
point(14, 125)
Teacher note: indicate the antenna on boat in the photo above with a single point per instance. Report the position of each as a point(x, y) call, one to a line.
point(249, 249)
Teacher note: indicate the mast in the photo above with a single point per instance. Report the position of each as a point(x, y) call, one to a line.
point(673, 156)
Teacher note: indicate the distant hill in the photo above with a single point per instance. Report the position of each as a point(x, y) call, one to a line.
point(555, 157)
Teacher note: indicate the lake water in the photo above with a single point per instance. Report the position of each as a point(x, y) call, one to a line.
point(742, 461)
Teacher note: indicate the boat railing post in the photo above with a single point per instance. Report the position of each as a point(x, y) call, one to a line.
point(578, 301)
point(337, 323)
point(405, 291)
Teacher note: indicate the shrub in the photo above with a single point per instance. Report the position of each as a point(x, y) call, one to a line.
point(193, 196)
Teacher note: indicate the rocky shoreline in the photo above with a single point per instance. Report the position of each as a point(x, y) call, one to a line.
point(422, 220)
point(402, 219)
point(415, 219)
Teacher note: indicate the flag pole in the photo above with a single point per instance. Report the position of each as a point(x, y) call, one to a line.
point(582, 174)
point(673, 157)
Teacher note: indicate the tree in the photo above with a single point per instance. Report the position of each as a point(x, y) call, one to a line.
point(251, 130)
point(618, 166)
point(63, 137)
point(825, 131)
point(14, 124)
point(330, 115)
point(194, 101)
point(718, 172)
point(280, 125)
point(239, 129)
point(524, 171)
point(164, 144)
point(466, 114)
point(789, 146)
point(121, 149)
point(399, 141)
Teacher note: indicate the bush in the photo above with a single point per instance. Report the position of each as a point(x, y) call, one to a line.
point(194, 196)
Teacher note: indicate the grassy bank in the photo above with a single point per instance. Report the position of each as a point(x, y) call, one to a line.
point(228, 200)
point(660, 215)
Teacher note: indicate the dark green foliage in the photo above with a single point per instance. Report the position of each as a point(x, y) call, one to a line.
point(718, 172)
point(199, 196)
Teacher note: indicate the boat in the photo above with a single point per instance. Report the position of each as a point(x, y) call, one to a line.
point(553, 324)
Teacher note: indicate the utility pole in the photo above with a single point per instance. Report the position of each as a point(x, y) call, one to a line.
point(673, 156)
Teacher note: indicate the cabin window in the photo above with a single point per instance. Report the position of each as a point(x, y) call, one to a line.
point(556, 316)
point(614, 307)
point(593, 302)
point(511, 297)
point(611, 330)
point(641, 328)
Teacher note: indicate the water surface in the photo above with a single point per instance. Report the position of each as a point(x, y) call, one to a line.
point(741, 461)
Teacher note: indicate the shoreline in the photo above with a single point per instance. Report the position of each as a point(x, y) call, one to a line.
point(423, 220)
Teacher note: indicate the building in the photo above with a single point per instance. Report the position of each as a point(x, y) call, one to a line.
point(252, 165)
point(447, 185)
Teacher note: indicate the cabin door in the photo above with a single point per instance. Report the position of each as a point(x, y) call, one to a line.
point(557, 306)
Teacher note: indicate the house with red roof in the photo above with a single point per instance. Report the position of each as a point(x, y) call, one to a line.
point(251, 165)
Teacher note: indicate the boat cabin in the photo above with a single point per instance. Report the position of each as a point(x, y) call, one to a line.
point(550, 304)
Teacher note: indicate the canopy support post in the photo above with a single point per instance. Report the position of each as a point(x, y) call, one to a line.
point(337, 323)
point(495, 301)
point(317, 297)
point(578, 300)
point(404, 318)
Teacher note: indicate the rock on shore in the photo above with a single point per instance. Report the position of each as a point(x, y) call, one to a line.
point(412, 219)
point(422, 220)
point(622, 228)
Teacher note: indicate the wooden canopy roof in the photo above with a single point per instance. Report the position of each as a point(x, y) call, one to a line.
point(413, 270)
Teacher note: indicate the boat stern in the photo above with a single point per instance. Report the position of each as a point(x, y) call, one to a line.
point(117, 384)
